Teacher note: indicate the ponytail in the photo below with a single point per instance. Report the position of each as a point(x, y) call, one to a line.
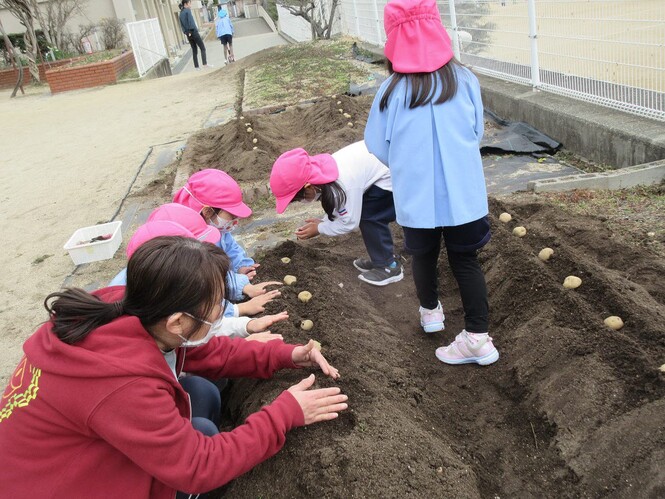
point(76, 313)
point(333, 197)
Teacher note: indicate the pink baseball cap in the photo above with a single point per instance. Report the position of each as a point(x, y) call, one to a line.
point(189, 219)
point(294, 169)
point(213, 188)
point(416, 41)
point(155, 229)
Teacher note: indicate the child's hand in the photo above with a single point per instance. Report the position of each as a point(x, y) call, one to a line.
point(323, 404)
point(307, 356)
point(262, 324)
point(264, 337)
point(257, 304)
point(309, 230)
point(249, 271)
point(253, 290)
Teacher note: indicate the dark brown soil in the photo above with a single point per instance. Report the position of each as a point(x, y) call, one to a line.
point(571, 409)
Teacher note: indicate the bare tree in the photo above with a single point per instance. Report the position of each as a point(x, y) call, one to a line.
point(74, 40)
point(58, 13)
point(113, 33)
point(17, 61)
point(24, 11)
point(319, 14)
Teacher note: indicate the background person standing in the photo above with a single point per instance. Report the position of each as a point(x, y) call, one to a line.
point(191, 31)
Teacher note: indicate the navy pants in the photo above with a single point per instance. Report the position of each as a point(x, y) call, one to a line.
point(462, 243)
point(377, 213)
point(206, 408)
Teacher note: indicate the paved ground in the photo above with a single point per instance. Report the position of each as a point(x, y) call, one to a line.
point(251, 35)
point(68, 160)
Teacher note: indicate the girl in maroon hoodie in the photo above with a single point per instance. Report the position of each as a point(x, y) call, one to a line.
point(95, 409)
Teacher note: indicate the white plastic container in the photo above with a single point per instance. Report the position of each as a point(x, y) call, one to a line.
point(83, 251)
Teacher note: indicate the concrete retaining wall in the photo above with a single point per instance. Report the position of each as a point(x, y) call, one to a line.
point(597, 133)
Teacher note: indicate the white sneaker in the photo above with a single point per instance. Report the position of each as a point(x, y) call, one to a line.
point(432, 320)
point(469, 348)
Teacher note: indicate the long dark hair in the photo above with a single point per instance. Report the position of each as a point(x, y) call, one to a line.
point(424, 86)
point(164, 276)
point(333, 197)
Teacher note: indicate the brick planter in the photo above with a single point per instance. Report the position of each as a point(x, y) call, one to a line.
point(8, 77)
point(91, 75)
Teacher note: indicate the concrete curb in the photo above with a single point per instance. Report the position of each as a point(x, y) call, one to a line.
point(630, 176)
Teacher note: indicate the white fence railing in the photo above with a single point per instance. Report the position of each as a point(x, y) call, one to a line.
point(147, 43)
point(610, 52)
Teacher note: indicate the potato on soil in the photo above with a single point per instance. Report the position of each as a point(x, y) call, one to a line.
point(317, 345)
point(255, 140)
point(614, 322)
point(350, 124)
point(304, 296)
point(250, 130)
point(306, 325)
point(545, 254)
point(290, 280)
point(572, 282)
point(505, 217)
point(519, 231)
point(286, 259)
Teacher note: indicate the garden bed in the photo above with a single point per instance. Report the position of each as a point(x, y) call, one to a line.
point(81, 75)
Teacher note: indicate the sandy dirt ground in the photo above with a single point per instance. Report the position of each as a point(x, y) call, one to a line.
point(66, 163)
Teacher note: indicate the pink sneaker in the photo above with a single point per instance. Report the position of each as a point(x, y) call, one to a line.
point(469, 348)
point(432, 320)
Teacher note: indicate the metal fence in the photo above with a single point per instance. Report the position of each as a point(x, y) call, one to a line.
point(147, 43)
point(610, 52)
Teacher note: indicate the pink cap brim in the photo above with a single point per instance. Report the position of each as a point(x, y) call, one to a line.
point(283, 202)
point(240, 210)
point(211, 235)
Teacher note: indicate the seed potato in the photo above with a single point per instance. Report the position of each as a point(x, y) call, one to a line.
point(614, 322)
point(290, 280)
point(505, 217)
point(306, 325)
point(304, 296)
point(572, 282)
point(545, 254)
point(286, 259)
point(519, 231)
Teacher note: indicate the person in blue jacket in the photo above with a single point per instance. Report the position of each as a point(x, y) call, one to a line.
point(425, 124)
point(224, 29)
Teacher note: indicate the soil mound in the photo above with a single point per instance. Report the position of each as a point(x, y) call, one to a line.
point(571, 409)
point(318, 128)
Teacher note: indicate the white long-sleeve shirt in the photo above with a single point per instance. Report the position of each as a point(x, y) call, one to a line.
point(358, 171)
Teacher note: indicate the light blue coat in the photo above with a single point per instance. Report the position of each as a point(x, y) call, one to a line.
point(223, 26)
point(433, 154)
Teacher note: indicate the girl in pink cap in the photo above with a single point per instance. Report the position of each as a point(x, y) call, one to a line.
point(426, 124)
point(355, 192)
point(218, 199)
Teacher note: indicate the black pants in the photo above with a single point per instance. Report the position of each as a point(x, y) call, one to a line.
point(196, 43)
point(378, 211)
point(462, 243)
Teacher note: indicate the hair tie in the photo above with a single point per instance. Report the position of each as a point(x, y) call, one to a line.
point(118, 307)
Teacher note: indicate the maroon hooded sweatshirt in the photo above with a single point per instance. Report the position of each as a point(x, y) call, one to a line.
point(106, 417)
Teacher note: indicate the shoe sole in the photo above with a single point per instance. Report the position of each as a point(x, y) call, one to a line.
point(384, 282)
point(490, 358)
point(433, 327)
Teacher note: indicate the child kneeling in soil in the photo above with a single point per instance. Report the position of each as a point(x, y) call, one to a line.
point(96, 408)
point(425, 124)
point(218, 199)
point(177, 220)
point(355, 191)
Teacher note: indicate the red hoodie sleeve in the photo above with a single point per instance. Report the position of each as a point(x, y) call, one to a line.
point(142, 422)
point(225, 357)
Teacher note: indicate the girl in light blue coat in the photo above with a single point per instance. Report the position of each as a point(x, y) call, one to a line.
point(224, 29)
point(425, 124)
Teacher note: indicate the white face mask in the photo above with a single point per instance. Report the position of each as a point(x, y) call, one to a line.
point(317, 196)
point(215, 329)
point(224, 226)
